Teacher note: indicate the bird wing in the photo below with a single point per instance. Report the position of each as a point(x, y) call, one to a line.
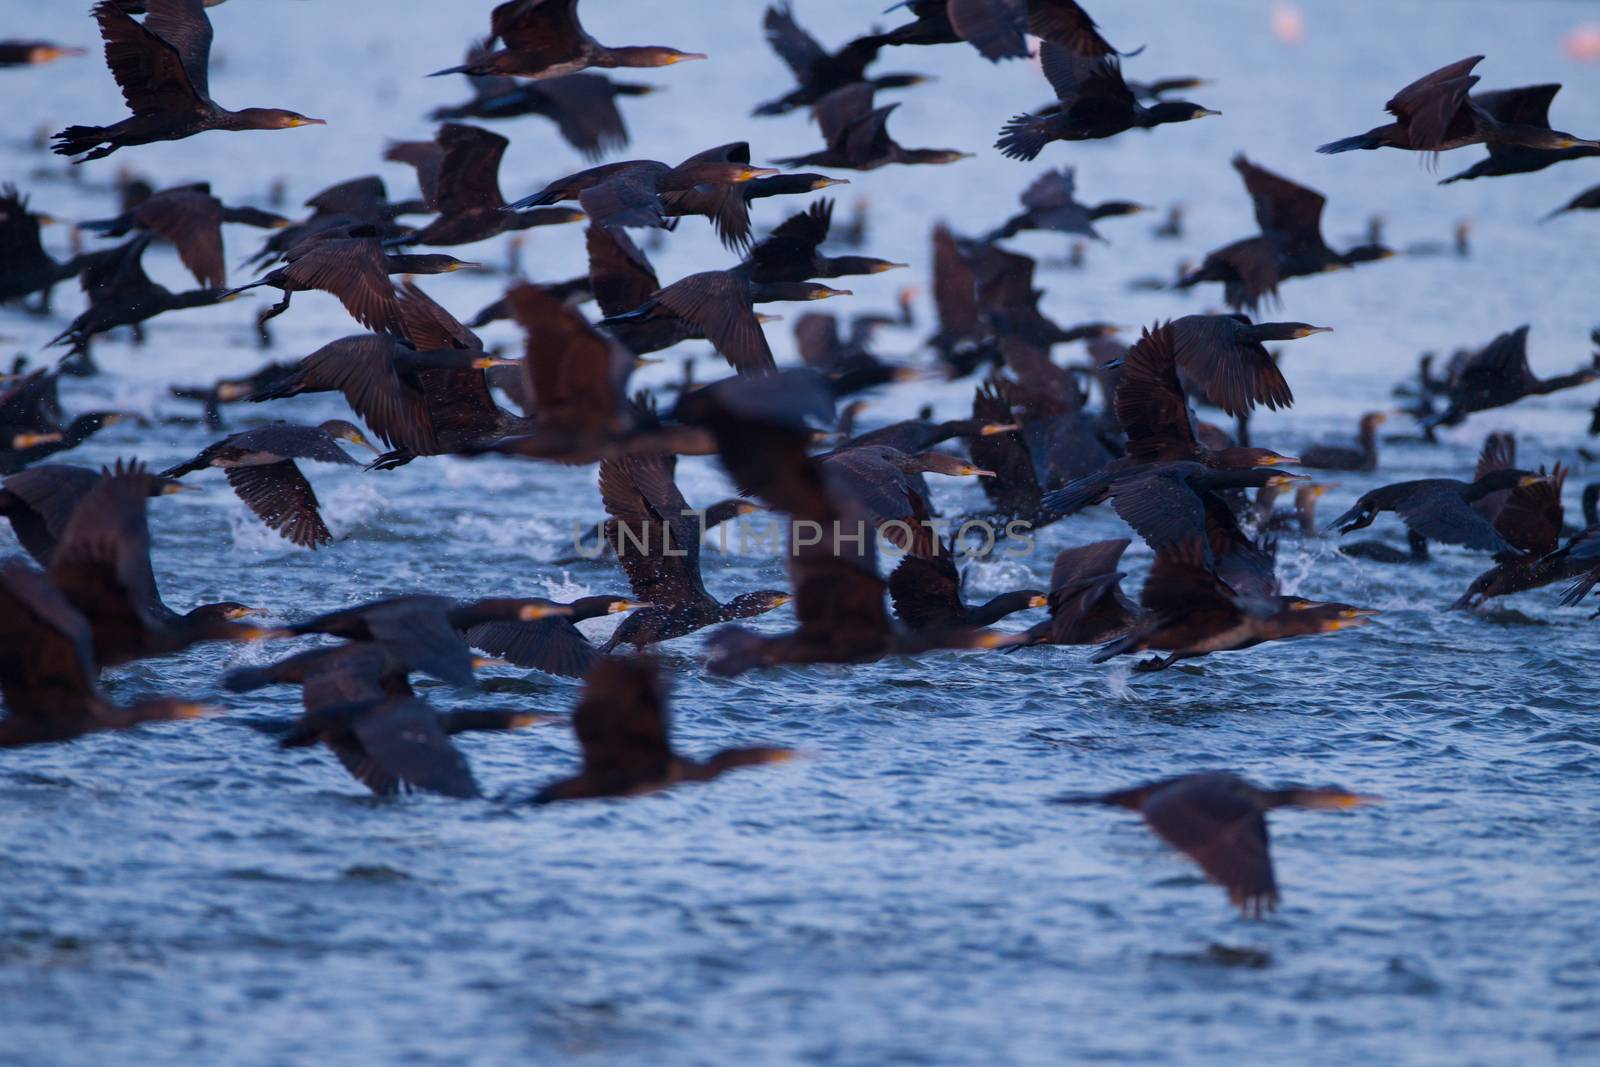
point(149, 70)
point(1223, 832)
point(619, 273)
point(102, 562)
point(621, 722)
point(994, 27)
point(868, 138)
point(1528, 105)
point(1532, 515)
point(47, 665)
point(1014, 489)
point(586, 112)
point(20, 244)
point(1429, 105)
point(355, 272)
point(53, 491)
point(1087, 561)
point(1160, 506)
point(1064, 23)
point(192, 222)
point(1437, 512)
point(424, 157)
point(427, 326)
point(786, 253)
point(816, 338)
point(926, 591)
point(362, 368)
point(1086, 86)
point(837, 594)
point(1150, 403)
point(469, 173)
point(639, 493)
point(955, 289)
point(575, 376)
point(554, 646)
point(547, 31)
point(281, 497)
point(419, 633)
point(1180, 582)
point(841, 109)
point(1256, 262)
point(627, 197)
point(183, 24)
point(1283, 206)
point(1499, 453)
point(1234, 376)
point(403, 739)
point(794, 46)
point(718, 304)
point(1052, 189)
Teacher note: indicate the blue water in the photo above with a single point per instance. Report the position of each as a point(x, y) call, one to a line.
point(191, 894)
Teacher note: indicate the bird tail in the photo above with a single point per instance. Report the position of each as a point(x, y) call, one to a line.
point(1024, 137)
point(78, 139)
point(1361, 141)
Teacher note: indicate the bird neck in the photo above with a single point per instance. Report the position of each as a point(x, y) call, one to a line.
point(1001, 606)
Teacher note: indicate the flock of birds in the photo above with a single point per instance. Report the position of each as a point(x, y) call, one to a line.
point(424, 384)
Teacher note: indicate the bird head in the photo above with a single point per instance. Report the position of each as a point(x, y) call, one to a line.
point(340, 430)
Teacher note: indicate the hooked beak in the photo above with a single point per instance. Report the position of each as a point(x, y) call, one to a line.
point(1358, 613)
point(178, 487)
point(619, 606)
point(535, 612)
point(824, 182)
point(32, 440)
point(466, 266)
point(879, 268)
point(1278, 481)
point(1202, 112)
point(301, 120)
point(979, 471)
point(992, 428)
point(244, 613)
point(763, 318)
point(1307, 331)
point(751, 173)
point(684, 57)
point(1277, 461)
point(824, 292)
point(518, 722)
point(230, 391)
point(485, 362)
point(360, 439)
point(1039, 602)
point(488, 661)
